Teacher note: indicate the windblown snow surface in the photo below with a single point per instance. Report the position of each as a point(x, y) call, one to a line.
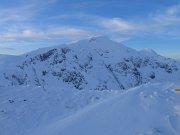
point(150, 109)
point(92, 87)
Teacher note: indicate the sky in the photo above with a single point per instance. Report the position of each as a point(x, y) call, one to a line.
point(26, 25)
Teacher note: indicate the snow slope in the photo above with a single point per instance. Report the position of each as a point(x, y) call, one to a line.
point(24, 109)
point(152, 109)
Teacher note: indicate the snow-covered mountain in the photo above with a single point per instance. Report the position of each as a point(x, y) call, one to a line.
point(86, 88)
point(97, 63)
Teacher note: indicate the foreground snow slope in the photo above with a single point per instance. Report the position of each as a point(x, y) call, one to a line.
point(152, 109)
point(24, 109)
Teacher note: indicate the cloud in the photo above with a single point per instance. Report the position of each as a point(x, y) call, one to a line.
point(24, 11)
point(103, 24)
point(164, 22)
point(14, 14)
point(66, 31)
point(51, 32)
point(173, 10)
point(161, 22)
point(7, 48)
point(119, 25)
point(98, 26)
point(168, 16)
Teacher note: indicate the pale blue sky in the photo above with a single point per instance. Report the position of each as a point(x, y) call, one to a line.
point(26, 25)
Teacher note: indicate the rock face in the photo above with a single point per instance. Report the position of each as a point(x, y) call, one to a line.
point(97, 63)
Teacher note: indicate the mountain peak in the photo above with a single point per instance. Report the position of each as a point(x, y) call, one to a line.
point(96, 39)
point(101, 42)
point(99, 38)
point(149, 51)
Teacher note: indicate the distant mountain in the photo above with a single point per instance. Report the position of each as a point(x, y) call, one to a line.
point(97, 63)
